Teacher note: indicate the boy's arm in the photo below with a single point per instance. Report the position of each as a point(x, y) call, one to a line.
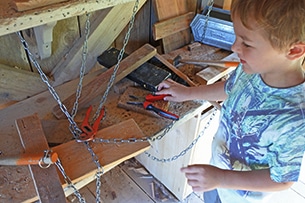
point(179, 93)
point(207, 177)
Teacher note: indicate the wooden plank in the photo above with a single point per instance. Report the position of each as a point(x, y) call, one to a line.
point(166, 9)
point(168, 172)
point(141, 31)
point(56, 131)
point(13, 21)
point(112, 25)
point(73, 153)
point(12, 53)
point(99, 84)
point(46, 180)
point(17, 85)
point(118, 187)
point(147, 182)
point(23, 5)
point(171, 26)
point(227, 4)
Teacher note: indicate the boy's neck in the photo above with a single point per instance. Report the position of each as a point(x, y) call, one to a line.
point(285, 79)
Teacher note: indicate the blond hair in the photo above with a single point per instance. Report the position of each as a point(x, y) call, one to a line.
point(282, 20)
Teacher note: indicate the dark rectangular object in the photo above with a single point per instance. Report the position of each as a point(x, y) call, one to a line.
point(147, 75)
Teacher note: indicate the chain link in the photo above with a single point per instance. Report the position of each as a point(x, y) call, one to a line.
point(69, 182)
point(207, 16)
point(83, 66)
point(45, 79)
point(183, 152)
point(120, 57)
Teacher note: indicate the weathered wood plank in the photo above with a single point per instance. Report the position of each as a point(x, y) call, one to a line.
point(166, 9)
point(99, 41)
point(17, 85)
point(46, 180)
point(99, 84)
point(12, 21)
point(171, 26)
point(118, 188)
point(141, 31)
point(78, 163)
point(23, 5)
point(11, 52)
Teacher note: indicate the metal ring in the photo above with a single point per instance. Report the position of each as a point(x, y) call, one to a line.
point(42, 164)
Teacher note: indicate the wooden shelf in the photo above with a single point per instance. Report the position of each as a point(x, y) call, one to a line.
point(13, 21)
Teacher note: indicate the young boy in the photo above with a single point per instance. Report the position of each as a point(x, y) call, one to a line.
point(260, 142)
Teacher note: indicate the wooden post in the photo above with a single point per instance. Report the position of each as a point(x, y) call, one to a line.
point(46, 180)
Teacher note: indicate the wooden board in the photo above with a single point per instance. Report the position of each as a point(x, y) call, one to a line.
point(13, 21)
point(99, 84)
point(78, 163)
point(17, 85)
point(140, 93)
point(211, 74)
point(23, 5)
point(173, 25)
point(166, 9)
point(118, 188)
point(46, 180)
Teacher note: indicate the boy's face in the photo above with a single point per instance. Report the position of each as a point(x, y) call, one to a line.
point(255, 51)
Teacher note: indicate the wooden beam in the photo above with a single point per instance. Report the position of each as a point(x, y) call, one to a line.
point(46, 180)
point(99, 41)
point(99, 84)
point(171, 26)
point(23, 5)
point(78, 163)
point(12, 21)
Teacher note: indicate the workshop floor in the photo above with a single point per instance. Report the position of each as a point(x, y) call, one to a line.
point(130, 182)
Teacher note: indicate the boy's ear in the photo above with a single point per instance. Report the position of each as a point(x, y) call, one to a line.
point(296, 51)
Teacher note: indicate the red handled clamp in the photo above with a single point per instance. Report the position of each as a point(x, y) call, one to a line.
point(148, 105)
point(88, 131)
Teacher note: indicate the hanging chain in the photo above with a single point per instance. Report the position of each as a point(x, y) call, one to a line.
point(51, 89)
point(69, 182)
point(207, 16)
point(83, 66)
point(120, 57)
point(183, 152)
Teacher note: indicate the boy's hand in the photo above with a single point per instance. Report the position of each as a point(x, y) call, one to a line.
point(176, 91)
point(203, 177)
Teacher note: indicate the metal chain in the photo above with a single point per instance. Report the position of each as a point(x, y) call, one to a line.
point(83, 66)
point(120, 57)
point(135, 140)
point(183, 152)
point(69, 182)
point(207, 16)
point(51, 89)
